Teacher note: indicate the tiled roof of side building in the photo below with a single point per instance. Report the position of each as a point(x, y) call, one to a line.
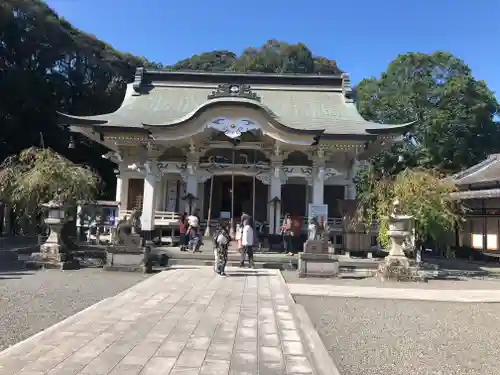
point(487, 171)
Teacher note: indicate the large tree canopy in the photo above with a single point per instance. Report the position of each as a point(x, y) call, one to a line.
point(47, 65)
point(454, 112)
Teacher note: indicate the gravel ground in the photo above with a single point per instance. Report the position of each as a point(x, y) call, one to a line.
point(388, 337)
point(33, 301)
point(462, 283)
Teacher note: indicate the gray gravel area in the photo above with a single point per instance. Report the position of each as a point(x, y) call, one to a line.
point(448, 284)
point(33, 301)
point(388, 337)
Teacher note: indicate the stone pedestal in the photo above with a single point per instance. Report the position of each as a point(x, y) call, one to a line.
point(131, 257)
point(317, 265)
point(315, 261)
point(316, 247)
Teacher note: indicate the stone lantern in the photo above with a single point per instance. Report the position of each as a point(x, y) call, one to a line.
point(53, 252)
point(396, 265)
point(400, 231)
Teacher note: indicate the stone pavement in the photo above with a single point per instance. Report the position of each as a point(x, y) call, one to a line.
point(440, 295)
point(183, 321)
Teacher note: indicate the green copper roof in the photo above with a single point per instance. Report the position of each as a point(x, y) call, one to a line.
point(295, 104)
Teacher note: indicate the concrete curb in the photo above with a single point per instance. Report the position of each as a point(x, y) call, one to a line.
point(322, 362)
point(412, 294)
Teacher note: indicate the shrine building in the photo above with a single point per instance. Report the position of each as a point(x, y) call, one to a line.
point(224, 143)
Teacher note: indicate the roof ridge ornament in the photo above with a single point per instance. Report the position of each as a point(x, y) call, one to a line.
point(231, 90)
point(346, 88)
point(139, 74)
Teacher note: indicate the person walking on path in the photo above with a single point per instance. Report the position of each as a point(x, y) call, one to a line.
point(247, 241)
point(221, 240)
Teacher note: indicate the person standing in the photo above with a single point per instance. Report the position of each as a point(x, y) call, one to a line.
point(247, 241)
point(183, 237)
point(221, 239)
point(287, 230)
point(193, 231)
point(239, 230)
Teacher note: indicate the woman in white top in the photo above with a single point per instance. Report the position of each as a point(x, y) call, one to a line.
point(247, 242)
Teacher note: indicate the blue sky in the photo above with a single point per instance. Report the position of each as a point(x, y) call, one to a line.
point(363, 36)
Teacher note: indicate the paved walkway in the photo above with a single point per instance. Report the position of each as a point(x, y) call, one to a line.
point(184, 321)
point(440, 295)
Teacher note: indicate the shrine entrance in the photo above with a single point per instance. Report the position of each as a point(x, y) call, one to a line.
point(244, 198)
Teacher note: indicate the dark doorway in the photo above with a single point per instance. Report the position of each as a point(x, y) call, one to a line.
point(243, 197)
point(332, 194)
point(293, 199)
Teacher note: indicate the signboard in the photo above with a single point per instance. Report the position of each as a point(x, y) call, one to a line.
point(319, 211)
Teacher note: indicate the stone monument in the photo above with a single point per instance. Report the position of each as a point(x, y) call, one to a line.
point(54, 253)
point(316, 261)
point(127, 252)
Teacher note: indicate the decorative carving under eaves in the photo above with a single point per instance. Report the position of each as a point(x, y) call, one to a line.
point(330, 173)
point(233, 90)
point(202, 176)
point(264, 178)
point(146, 168)
point(297, 171)
point(168, 167)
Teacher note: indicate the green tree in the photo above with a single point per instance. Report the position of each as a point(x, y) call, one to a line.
point(36, 176)
point(215, 61)
point(454, 112)
point(280, 57)
point(424, 194)
point(47, 65)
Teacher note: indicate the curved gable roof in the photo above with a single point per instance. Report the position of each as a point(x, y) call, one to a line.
point(298, 107)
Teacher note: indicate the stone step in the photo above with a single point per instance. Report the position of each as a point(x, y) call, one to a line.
point(231, 263)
